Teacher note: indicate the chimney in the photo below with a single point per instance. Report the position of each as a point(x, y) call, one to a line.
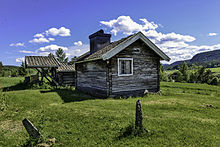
point(98, 40)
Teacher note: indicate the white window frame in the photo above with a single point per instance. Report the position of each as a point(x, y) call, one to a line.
point(130, 59)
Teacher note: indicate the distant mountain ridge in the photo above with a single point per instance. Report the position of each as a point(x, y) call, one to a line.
point(206, 56)
point(199, 58)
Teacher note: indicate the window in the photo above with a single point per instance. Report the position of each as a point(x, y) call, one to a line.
point(125, 66)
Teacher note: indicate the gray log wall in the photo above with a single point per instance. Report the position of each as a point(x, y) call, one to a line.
point(91, 78)
point(66, 78)
point(145, 76)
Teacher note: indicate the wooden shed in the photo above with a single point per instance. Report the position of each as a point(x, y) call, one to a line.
point(50, 68)
point(44, 64)
point(66, 74)
point(127, 67)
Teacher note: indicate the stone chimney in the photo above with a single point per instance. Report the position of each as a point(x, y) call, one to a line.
point(98, 40)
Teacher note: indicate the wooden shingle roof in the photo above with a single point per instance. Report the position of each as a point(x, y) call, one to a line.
point(98, 54)
point(115, 47)
point(64, 67)
point(41, 62)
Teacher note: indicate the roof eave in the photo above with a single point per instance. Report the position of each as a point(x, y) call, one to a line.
point(89, 60)
point(67, 71)
point(33, 66)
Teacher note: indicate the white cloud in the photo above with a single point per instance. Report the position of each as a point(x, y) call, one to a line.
point(62, 31)
point(44, 53)
point(39, 35)
point(78, 50)
point(173, 44)
point(212, 34)
point(17, 44)
point(27, 52)
point(68, 55)
point(39, 40)
point(20, 59)
point(52, 47)
point(78, 43)
point(148, 25)
point(158, 37)
point(127, 26)
point(51, 39)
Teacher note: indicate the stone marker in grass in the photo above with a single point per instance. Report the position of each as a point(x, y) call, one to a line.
point(138, 121)
point(31, 129)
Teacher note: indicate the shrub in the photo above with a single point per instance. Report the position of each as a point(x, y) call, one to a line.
point(163, 75)
point(44, 85)
point(214, 81)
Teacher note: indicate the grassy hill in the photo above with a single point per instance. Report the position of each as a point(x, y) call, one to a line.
point(184, 115)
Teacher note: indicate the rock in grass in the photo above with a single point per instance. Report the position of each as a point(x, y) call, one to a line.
point(146, 91)
point(139, 118)
point(31, 129)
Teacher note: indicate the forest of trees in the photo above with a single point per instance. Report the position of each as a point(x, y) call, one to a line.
point(192, 74)
point(207, 64)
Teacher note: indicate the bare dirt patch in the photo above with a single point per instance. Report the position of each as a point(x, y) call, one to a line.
point(10, 126)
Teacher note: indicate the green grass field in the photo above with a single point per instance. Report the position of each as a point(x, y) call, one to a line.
point(184, 115)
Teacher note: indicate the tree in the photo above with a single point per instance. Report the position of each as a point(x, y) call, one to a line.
point(14, 73)
point(163, 75)
point(50, 55)
point(200, 74)
point(214, 81)
point(184, 70)
point(61, 56)
point(1, 65)
point(207, 75)
point(22, 70)
point(1, 71)
point(204, 75)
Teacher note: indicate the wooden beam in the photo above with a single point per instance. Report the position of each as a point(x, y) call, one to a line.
point(46, 73)
point(42, 76)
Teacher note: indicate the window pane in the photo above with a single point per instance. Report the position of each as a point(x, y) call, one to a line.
point(121, 66)
point(127, 66)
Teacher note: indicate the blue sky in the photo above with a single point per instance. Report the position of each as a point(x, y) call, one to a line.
point(37, 27)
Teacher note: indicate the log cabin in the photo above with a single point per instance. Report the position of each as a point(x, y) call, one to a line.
point(123, 68)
